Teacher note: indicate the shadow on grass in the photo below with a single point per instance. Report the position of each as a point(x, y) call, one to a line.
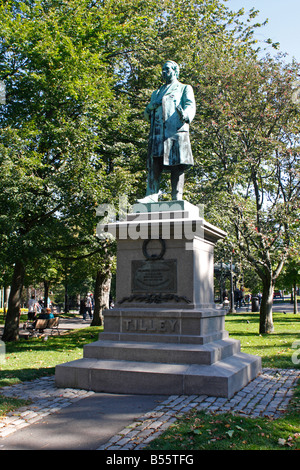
point(74, 339)
point(8, 377)
point(28, 359)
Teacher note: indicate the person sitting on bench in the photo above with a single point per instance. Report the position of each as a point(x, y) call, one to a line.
point(46, 314)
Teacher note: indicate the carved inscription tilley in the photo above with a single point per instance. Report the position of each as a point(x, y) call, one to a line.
point(150, 325)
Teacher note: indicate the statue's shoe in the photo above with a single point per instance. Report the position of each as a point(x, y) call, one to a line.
point(150, 198)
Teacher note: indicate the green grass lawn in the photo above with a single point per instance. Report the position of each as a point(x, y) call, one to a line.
point(276, 349)
point(33, 358)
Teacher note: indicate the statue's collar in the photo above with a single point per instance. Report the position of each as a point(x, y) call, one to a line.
point(168, 88)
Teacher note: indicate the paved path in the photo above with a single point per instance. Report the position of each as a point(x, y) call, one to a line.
point(77, 419)
point(277, 307)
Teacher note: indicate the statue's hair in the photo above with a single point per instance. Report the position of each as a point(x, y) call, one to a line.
point(175, 66)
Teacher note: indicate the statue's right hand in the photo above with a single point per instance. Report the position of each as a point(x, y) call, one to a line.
point(154, 105)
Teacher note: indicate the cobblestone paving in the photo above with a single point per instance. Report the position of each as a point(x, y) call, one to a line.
point(267, 395)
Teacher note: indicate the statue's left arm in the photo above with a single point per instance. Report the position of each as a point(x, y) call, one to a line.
point(187, 108)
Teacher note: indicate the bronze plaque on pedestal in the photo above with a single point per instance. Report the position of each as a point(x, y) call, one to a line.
point(154, 276)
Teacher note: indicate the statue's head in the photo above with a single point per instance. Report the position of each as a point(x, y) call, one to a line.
point(170, 67)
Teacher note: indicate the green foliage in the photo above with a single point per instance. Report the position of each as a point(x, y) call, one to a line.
point(55, 89)
point(61, 118)
point(248, 126)
point(290, 275)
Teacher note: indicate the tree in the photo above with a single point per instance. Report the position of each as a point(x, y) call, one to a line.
point(89, 271)
point(290, 279)
point(250, 127)
point(59, 94)
point(46, 270)
point(102, 288)
point(245, 134)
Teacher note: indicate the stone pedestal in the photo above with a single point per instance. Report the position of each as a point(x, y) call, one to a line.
point(165, 335)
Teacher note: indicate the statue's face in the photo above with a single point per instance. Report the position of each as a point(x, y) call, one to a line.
point(168, 72)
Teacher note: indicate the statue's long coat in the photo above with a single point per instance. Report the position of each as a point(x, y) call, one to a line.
point(169, 134)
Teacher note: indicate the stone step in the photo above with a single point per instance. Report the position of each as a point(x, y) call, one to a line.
point(165, 338)
point(223, 378)
point(162, 352)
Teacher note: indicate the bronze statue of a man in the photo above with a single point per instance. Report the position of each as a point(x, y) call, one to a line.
point(170, 111)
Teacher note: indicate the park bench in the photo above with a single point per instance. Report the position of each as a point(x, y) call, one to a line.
point(42, 324)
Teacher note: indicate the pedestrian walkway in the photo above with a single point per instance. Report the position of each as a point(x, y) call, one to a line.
point(268, 395)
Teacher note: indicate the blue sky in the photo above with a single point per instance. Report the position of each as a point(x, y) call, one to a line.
point(283, 25)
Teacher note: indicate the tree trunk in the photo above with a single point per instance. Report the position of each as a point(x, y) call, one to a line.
point(66, 309)
point(101, 296)
point(46, 292)
point(5, 300)
point(266, 325)
point(11, 328)
point(295, 299)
